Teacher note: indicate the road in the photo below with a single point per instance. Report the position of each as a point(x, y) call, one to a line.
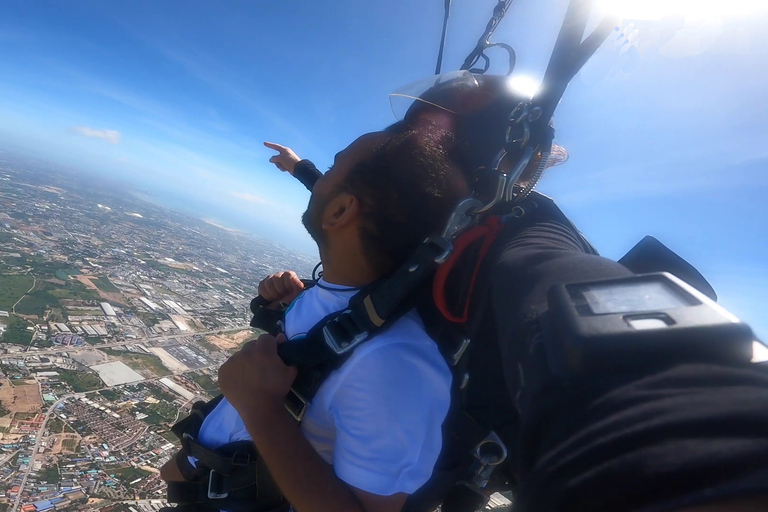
point(38, 440)
point(34, 283)
point(56, 350)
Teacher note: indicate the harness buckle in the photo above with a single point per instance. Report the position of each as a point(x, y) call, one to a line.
point(490, 452)
point(185, 439)
point(214, 494)
point(341, 345)
point(456, 357)
point(296, 405)
point(241, 459)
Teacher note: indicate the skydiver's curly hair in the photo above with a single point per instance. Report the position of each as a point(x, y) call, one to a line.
point(406, 190)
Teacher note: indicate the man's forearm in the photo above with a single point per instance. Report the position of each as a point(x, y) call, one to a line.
point(306, 480)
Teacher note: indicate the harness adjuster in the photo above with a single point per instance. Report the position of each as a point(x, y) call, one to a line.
point(456, 357)
point(186, 440)
point(241, 459)
point(214, 489)
point(344, 343)
point(296, 405)
point(490, 453)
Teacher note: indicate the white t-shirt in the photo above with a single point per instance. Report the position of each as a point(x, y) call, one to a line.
point(377, 419)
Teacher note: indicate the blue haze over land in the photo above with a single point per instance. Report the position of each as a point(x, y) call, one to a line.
point(666, 127)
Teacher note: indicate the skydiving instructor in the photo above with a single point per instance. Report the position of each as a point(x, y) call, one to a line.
point(690, 437)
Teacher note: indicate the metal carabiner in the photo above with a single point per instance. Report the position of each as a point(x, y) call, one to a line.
point(461, 218)
point(490, 452)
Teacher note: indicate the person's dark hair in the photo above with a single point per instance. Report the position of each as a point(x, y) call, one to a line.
point(406, 191)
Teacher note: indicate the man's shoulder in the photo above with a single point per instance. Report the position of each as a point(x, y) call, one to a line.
point(405, 346)
point(406, 332)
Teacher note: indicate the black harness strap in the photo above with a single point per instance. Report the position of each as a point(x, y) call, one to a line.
point(231, 477)
point(370, 311)
point(192, 423)
point(243, 456)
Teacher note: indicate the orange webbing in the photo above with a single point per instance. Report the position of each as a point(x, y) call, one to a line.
point(486, 231)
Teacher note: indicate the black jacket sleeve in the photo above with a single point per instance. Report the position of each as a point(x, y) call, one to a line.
point(654, 441)
point(306, 172)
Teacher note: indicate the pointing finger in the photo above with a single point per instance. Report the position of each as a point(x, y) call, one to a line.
point(276, 147)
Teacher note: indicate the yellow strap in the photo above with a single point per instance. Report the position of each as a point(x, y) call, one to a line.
point(373, 316)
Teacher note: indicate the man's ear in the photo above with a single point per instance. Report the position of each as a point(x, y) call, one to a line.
point(341, 211)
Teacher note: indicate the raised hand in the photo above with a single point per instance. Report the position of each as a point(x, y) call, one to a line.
point(285, 159)
point(281, 287)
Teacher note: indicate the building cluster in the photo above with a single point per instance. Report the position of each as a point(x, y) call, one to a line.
point(123, 267)
point(107, 308)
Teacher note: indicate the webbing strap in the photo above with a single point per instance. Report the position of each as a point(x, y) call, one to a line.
point(487, 232)
point(187, 492)
point(187, 470)
point(370, 311)
point(192, 423)
point(572, 50)
point(243, 458)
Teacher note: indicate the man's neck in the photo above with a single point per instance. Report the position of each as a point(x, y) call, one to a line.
point(346, 268)
point(346, 276)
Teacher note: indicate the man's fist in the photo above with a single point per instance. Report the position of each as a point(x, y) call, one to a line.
point(281, 287)
point(255, 379)
point(285, 159)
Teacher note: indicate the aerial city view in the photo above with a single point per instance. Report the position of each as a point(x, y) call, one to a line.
point(536, 233)
point(114, 317)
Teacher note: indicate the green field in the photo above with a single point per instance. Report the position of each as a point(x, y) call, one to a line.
point(69, 444)
point(40, 266)
point(149, 319)
point(17, 333)
point(161, 392)
point(104, 284)
point(129, 474)
point(12, 288)
point(64, 275)
point(50, 474)
point(138, 362)
point(206, 383)
point(111, 394)
point(82, 312)
point(170, 436)
point(80, 381)
point(159, 413)
point(167, 269)
point(48, 296)
point(56, 426)
point(74, 290)
point(207, 345)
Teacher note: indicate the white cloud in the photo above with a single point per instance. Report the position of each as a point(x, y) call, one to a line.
point(111, 136)
point(251, 198)
point(214, 222)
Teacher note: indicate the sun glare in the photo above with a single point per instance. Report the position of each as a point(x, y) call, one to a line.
point(701, 9)
point(524, 84)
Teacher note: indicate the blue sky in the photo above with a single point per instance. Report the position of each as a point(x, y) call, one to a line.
point(666, 132)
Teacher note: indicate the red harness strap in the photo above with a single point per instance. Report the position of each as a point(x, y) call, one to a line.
point(486, 231)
